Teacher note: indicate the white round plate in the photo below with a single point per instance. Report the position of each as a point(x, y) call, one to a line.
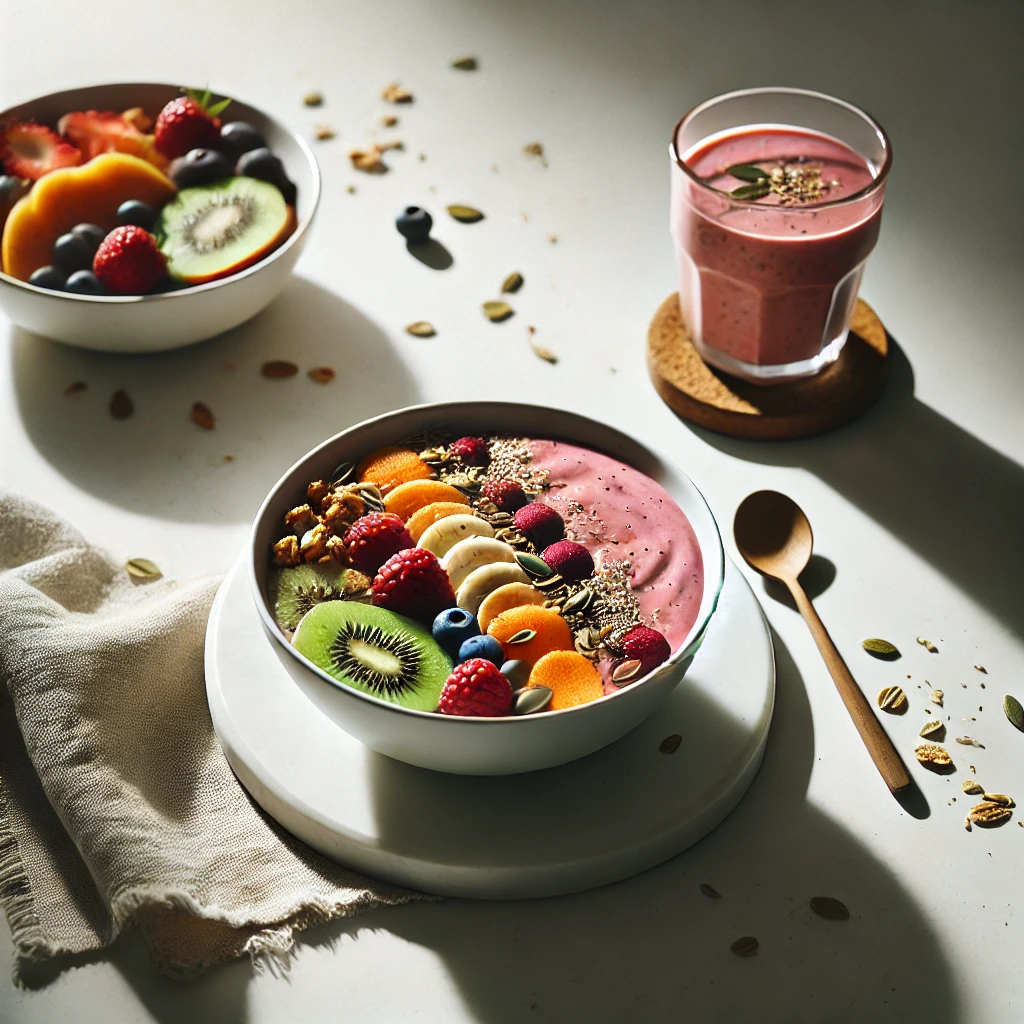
point(593, 821)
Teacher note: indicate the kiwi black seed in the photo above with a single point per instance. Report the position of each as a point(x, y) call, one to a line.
point(376, 651)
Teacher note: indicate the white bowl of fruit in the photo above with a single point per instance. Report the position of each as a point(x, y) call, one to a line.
point(141, 217)
point(486, 588)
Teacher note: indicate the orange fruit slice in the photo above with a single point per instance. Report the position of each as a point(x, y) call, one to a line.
point(389, 467)
point(410, 497)
point(89, 194)
point(430, 514)
point(551, 632)
point(570, 677)
point(511, 595)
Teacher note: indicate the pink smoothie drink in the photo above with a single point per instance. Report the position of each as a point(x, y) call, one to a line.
point(769, 269)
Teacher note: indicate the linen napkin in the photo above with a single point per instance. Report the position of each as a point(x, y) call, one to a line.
point(117, 806)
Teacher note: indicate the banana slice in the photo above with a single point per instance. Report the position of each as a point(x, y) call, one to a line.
point(442, 536)
point(480, 582)
point(472, 553)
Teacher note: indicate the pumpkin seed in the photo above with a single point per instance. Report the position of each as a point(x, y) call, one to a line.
point(830, 908)
point(549, 582)
point(881, 648)
point(465, 64)
point(142, 569)
point(342, 472)
point(531, 699)
point(313, 99)
point(932, 728)
point(928, 645)
point(465, 214)
point(421, 329)
point(533, 565)
point(710, 891)
point(121, 406)
point(496, 312)
point(970, 786)
point(579, 602)
point(626, 670)
point(893, 700)
point(277, 368)
point(512, 283)
point(522, 637)
point(670, 744)
point(1014, 712)
point(543, 353)
point(746, 946)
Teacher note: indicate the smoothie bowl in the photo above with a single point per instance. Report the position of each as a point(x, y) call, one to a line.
point(140, 217)
point(486, 588)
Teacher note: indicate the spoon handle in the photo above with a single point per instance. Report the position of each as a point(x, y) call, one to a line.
point(883, 753)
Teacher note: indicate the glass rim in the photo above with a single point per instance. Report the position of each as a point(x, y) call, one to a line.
point(876, 183)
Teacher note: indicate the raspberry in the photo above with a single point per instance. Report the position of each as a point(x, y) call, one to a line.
point(647, 645)
point(128, 261)
point(476, 689)
point(506, 494)
point(540, 523)
point(373, 539)
point(472, 450)
point(412, 583)
point(572, 561)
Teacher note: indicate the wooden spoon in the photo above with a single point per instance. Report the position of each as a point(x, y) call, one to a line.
point(774, 537)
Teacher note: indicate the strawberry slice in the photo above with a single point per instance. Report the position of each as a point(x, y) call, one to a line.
point(30, 150)
point(95, 132)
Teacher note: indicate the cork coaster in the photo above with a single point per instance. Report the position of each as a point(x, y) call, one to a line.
point(777, 412)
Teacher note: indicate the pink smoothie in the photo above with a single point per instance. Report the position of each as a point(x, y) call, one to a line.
point(617, 512)
point(758, 278)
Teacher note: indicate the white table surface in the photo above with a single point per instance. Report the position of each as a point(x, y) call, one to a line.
point(916, 508)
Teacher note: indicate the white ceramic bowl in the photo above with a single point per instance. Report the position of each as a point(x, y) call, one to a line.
point(502, 746)
point(152, 323)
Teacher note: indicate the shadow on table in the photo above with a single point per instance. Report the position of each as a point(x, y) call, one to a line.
point(158, 462)
point(939, 489)
point(654, 948)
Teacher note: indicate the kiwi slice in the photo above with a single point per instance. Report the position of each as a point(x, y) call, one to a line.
point(376, 651)
point(214, 230)
point(294, 591)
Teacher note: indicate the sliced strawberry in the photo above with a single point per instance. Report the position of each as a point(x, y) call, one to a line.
point(95, 132)
point(30, 150)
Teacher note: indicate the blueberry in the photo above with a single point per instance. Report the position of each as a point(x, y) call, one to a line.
point(454, 626)
point(264, 165)
point(199, 167)
point(49, 277)
point(72, 253)
point(134, 211)
point(12, 188)
point(240, 137)
point(91, 234)
point(517, 673)
point(84, 282)
point(485, 647)
point(414, 225)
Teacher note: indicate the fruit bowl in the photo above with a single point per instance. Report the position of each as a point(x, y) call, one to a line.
point(485, 746)
point(156, 322)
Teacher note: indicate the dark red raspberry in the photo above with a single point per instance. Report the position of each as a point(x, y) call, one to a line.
point(646, 645)
point(506, 494)
point(476, 689)
point(472, 450)
point(373, 539)
point(128, 262)
point(540, 523)
point(572, 561)
point(412, 583)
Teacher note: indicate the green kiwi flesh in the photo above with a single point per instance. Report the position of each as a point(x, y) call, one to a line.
point(376, 651)
point(294, 591)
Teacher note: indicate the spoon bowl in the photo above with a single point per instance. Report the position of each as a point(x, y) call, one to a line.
point(773, 535)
